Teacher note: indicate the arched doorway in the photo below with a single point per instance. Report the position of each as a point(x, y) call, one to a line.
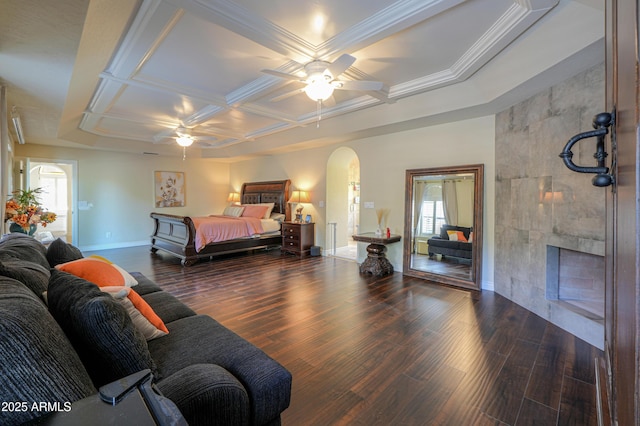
point(55, 178)
point(343, 202)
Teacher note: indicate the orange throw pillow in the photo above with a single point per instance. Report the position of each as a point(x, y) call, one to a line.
point(146, 310)
point(457, 236)
point(98, 272)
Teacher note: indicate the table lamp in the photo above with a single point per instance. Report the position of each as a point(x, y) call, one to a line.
point(299, 197)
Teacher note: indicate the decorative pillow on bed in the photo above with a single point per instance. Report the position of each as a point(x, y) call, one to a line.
point(234, 211)
point(142, 315)
point(279, 217)
point(98, 271)
point(270, 207)
point(254, 210)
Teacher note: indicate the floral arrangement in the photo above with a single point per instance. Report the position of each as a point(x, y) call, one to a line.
point(25, 210)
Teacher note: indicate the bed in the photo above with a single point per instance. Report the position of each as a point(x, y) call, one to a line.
point(176, 235)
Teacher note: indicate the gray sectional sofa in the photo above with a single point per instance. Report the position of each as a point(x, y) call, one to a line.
point(441, 244)
point(62, 352)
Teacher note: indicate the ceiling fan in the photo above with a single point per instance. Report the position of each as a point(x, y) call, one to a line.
point(321, 79)
point(184, 137)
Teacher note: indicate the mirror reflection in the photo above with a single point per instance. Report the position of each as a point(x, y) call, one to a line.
point(442, 238)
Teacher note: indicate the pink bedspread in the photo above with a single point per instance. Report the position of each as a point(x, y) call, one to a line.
point(214, 229)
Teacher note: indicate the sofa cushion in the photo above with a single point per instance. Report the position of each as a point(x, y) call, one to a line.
point(23, 247)
point(454, 245)
point(167, 306)
point(37, 362)
point(145, 285)
point(31, 274)
point(203, 392)
point(266, 381)
point(99, 328)
point(59, 251)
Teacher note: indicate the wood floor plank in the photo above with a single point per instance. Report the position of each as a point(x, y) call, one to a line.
point(393, 350)
point(509, 388)
point(545, 384)
point(536, 414)
point(578, 403)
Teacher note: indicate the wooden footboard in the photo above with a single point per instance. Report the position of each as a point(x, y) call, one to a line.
point(175, 235)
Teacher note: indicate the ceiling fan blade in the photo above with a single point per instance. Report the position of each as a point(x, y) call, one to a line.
point(286, 95)
point(165, 134)
point(203, 144)
point(281, 74)
point(205, 138)
point(358, 85)
point(341, 64)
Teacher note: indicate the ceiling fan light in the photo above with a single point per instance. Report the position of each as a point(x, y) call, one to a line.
point(184, 141)
point(319, 90)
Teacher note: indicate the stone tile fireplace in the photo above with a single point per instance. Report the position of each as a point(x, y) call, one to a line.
point(576, 279)
point(550, 221)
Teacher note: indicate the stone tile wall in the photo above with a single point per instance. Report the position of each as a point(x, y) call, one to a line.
point(540, 202)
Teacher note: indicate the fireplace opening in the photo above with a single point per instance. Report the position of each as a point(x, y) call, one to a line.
point(577, 280)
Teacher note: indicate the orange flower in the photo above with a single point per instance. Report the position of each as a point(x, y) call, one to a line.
point(12, 205)
point(22, 220)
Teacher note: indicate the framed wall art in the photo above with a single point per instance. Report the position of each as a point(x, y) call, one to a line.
point(169, 189)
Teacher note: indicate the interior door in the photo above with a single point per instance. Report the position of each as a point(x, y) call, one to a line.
point(622, 254)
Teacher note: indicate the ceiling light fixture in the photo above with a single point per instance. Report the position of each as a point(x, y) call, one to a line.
point(184, 141)
point(319, 87)
point(17, 124)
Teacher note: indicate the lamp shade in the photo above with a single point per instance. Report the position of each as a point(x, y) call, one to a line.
point(299, 197)
point(233, 197)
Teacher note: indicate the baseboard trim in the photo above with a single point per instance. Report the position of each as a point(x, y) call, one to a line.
point(113, 245)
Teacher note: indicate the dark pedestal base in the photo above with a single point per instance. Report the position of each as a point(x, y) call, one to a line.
point(376, 262)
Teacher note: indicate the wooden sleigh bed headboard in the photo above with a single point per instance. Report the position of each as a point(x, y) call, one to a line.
point(276, 192)
point(176, 234)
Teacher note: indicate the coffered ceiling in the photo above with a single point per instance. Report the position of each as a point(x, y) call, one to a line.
point(123, 75)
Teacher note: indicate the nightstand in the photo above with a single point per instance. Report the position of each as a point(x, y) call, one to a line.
point(297, 238)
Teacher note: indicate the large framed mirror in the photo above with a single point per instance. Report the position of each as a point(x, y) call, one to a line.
point(443, 225)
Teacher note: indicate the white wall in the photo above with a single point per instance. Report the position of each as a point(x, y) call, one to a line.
point(120, 188)
point(383, 162)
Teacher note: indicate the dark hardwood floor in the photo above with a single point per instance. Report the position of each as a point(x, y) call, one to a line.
point(449, 266)
point(393, 350)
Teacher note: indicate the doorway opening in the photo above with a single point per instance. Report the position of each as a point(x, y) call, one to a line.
point(57, 180)
point(343, 203)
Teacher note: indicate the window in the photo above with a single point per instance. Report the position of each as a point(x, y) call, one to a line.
point(432, 217)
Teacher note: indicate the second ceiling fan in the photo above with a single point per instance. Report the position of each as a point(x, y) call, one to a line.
point(321, 79)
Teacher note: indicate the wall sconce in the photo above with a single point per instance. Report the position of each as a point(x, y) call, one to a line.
point(553, 197)
point(299, 197)
point(601, 123)
point(17, 124)
point(233, 198)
